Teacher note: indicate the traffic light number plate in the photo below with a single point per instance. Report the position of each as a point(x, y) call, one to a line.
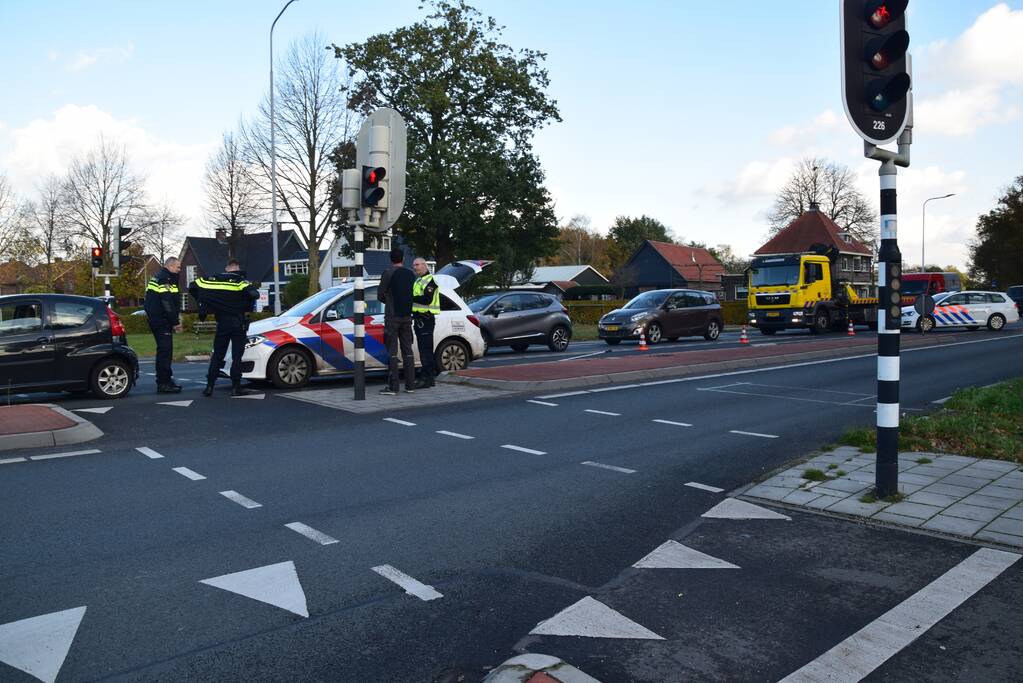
point(878, 125)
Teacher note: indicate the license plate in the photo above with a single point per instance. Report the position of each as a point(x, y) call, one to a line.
point(612, 328)
point(774, 314)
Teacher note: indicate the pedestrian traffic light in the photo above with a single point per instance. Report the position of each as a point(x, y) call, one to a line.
point(372, 192)
point(892, 296)
point(97, 257)
point(875, 69)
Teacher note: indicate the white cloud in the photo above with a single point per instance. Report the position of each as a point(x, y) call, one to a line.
point(46, 146)
point(85, 59)
point(52, 56)
point(755, 180)
point(825, 123)
point(961, 113)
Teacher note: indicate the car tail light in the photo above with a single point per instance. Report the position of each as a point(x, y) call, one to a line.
point(474, 320)
point(116, 328)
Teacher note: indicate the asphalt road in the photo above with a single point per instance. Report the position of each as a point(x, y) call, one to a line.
point(488, 504)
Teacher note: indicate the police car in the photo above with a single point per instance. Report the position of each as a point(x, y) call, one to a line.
point(963, 309)
point(316, 337)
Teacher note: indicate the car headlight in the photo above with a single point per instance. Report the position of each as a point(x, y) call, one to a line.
point(255, 340)
point(638, 316)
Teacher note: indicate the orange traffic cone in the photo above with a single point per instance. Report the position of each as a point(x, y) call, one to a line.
point(642, 341)
point(851, 332)
point(743, 339)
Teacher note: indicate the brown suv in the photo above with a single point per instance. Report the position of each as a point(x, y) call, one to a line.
point(664, 314)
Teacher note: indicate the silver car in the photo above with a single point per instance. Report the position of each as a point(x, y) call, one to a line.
point(518, 319)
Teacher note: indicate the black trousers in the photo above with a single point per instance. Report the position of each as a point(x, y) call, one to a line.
point(398, 332)
point(164, 354)
point(424, 325)
point(230, 330)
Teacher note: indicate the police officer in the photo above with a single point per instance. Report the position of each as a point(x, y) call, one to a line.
point(161, 305)
point(228, 296)
point(425, 309)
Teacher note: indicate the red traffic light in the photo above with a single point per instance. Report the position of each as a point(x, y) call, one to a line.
point(97, 252)
point(372, 193)
point(880, 13)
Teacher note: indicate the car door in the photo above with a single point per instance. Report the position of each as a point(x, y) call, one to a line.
point(949, 313)
point(534, 314)
point(673, 315)
point(977, 308)
point(76, 330)
point(695, 311)
point(26, 346)
point(507, 323)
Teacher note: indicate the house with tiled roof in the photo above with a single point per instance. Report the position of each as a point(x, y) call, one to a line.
point(556, 280)
point(814, 227)
point(660, 265)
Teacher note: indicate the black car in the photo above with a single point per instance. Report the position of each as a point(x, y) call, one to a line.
point(664, 314)
point(1016, 294)
point(60, 342)
point(518, 319)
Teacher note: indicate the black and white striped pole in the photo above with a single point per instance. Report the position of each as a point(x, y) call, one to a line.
point(889, 322)
point(351, 180)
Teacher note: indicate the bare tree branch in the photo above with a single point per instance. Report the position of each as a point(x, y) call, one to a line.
point(232, 196)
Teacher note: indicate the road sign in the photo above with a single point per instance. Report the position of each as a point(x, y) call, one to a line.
point(924, 304)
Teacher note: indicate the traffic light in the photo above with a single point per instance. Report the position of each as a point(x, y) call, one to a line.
point(121, 248)
point(97, 257)
point(875, 69)
point(372, 192)
point(891, 296)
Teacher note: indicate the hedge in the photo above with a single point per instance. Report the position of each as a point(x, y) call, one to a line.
point(138, 324)
point(590, 312)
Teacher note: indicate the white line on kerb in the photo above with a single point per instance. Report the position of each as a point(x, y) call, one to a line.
point(703, 487)
point(617, 387)
point(70, 454)
point(246, 503)
point(601, 465)
point(311, 533)
point(520, 449)
point(148, 452)
point(455, 434)
point(764, 436)
point(542, 403)
point(7, 461)
point(867, 649)
point(567, 393)
point(585, 355)
point(673, 423)
point(942, 400)
point(399, 422)
point(411, 586)
point(185, 472)
point(602, 412)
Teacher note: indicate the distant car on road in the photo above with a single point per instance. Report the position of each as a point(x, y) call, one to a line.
point(664, 314)
point(60, 342)
point(518, 319)
point(1016, 294)
point(964, 309)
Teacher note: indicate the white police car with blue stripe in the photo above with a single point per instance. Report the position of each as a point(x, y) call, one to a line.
point(971, 310)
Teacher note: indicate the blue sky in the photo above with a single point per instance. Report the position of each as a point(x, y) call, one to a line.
point(716, 101)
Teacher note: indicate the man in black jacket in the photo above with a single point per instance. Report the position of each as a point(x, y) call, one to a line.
point(395, 291)
point(161, 305)
point(228, 296)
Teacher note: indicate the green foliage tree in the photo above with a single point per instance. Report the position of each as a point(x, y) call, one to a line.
point(996, 253)
point(628, 234)
point(296, 289)
point(472, 105)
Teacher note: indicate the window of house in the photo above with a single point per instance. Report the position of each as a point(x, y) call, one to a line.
point(189, 275)
point(379, 242)
point(341, 272)
point(297, 268)
point(845, 263)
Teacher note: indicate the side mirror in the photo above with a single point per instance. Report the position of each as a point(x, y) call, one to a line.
point(331, 314)
point(496, 310)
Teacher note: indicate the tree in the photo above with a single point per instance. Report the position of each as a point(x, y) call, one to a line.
point(628, 234)
point(312, 120)
point(232, 196)
point(732, 262)
point(159, 235)
point(46, 219)
point(579, 244)
point(833, 188)
point(472, 105)
point(996, 253)
point(10, 217)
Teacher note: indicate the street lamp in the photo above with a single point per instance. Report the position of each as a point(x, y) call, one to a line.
point(923, 225)
point(273, 169)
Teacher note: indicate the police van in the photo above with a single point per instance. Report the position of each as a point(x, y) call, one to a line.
point(963, 309)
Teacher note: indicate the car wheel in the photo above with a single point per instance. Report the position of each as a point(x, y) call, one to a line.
point(519, 348)
point(767, 331)
point(925, 324)
point(559, 338)
point(996, 322)
point(111, 378)
point(821, 323)
point(653, 333)
point(713, 331)
point(452, 355)
point(613, 342)
point(290, 368)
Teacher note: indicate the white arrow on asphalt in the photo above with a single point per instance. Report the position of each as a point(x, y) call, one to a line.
point(255, 396)
point(733, 508)
point(98, 411)
point(674, 555)
point(592, 619)
point(179, 404)
point(39, 645)
point(274, 584)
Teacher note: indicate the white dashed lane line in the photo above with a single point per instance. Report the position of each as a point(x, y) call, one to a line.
point(246, 503)
point(189, 474)
point(520, 449)
point(410, 585)
point(8, 461)
point(455, 434)
point(70, 454)
point(403, 423)
point(311, 533)
point(602, 466)
point(672, 423)
point(603, 412)
point(703, 487)
point(762, 436)
point(542, 403)
point(148, 452)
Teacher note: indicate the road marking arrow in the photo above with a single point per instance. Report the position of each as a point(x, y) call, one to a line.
point(674, 555)
point(274, 584)
point(39, 645)
point(98, 411)
point(733, 508)
point(592, 619)
point(179, 404)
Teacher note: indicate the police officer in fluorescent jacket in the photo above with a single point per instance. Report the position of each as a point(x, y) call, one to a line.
point(161, 305)
point(228, 296)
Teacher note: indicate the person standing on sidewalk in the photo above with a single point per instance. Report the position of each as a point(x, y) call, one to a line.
point(395, 291)
point(425, 309)
point(161, 305)
point(228, 296)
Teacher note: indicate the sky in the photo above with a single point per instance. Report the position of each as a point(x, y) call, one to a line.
point(693, 113)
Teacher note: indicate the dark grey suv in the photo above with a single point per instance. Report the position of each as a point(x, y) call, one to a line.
point(664, 314)
point(518, 319)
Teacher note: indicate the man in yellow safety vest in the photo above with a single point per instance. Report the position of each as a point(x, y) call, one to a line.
point(425, 309)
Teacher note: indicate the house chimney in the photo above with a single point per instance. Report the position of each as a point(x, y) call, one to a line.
point(814, 206)
point(221, 235)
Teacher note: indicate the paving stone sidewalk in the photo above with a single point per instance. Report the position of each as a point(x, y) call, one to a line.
point(952, 494)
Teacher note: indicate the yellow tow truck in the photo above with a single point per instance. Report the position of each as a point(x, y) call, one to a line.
point(798, 291)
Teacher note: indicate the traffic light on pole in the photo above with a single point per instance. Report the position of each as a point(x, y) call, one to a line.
point(875, 69)
point(97, 257)
point(372, 191)
point(121, 248)
point(893, 296)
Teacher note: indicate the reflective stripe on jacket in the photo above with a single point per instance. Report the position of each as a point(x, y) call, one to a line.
point(224, 294)
point(162, 299)
point(426, 295)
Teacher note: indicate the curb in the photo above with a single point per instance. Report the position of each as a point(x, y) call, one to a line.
point(546, 668)
point(82, 431)
point(197, 359)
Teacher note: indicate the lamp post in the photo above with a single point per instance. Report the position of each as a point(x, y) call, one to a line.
point(273, 170)
point(923, 225)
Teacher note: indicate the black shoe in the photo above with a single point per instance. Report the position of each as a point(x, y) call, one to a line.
point(410, 389)
point(208, 391)
point(174, 384)
point(388, 391)
point(168, 389)
point(425, 383)
point(238, 391)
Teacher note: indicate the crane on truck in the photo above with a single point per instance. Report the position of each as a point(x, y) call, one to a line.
point(799, 291)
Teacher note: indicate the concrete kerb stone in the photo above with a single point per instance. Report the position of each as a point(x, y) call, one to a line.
point(82, 431)
point(523, 667)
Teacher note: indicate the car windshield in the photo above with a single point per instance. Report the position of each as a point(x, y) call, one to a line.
point(913, 287)
point(766, 276)
point(478, 303)
point(648, 300)
point(941, 297)
point(311, 304)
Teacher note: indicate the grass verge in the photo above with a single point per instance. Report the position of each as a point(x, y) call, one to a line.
point(976, 422)
point(185, 344)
